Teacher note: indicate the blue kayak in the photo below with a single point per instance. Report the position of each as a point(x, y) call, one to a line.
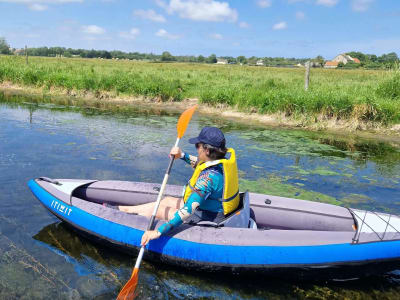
point(266, 234)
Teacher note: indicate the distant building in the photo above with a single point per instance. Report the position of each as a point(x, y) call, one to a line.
point(331, 65)
point(222, 61)
point(260, 62)
point(19, 51)
point(345, 58)
point(341, 58)
point(299, 65)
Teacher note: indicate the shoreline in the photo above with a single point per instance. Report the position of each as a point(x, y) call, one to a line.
point(316, 123)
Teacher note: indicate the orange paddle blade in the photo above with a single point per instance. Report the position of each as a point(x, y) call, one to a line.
point(184, 120)
point(128, 291)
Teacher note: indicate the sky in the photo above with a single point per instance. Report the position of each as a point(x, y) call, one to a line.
point(262, 28)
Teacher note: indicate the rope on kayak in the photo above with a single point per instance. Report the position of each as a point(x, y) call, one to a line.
point(356, 237)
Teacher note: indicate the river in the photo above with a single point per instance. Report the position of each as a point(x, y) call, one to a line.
point(41, 258)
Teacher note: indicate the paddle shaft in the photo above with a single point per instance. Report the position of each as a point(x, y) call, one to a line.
point(160, 193)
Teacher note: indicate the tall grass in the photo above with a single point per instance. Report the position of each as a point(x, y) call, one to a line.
point(341, 94)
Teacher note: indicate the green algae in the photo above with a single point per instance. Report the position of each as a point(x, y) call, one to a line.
point(22, 276)
point(324, 172)
point(299, 170)
point(356, 199)
point(275, 186)
point(372, 290)
point(287, 142)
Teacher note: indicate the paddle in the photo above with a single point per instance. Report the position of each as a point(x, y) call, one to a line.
point(128, 291)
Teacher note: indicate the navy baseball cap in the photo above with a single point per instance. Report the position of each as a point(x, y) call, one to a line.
point(210, 135)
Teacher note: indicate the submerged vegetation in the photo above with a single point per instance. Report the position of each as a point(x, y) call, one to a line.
point(360, 95)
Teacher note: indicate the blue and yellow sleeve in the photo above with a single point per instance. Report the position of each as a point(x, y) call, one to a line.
point(202, 188)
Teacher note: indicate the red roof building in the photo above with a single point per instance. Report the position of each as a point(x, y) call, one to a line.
point(331, 65)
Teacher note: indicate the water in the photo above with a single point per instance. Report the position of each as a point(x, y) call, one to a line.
point(41, 258)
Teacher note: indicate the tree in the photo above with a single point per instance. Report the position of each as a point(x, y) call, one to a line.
point(212, 59)
point(241, 60)
point(252, 60)
point(361, 56)
point(166, 56)
point(201, 59)
point(4, 47)
point(319, 59)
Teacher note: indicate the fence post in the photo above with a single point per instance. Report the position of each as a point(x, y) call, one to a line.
point(26, 54)
point(307, 76)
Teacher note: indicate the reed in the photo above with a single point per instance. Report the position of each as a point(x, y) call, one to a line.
point(365, 95)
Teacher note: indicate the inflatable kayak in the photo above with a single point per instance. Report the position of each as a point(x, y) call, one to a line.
point(266, 233)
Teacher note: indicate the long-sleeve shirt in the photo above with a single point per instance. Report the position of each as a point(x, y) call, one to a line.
point(208, 190)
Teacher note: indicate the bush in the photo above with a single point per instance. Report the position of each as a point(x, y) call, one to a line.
point(390, 87)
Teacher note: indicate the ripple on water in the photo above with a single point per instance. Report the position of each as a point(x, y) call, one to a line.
point(40, 258)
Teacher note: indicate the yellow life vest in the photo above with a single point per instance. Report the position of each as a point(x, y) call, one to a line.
point(230, 197)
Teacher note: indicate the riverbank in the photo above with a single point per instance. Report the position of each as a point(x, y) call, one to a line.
point(111, 101)
point(348, 99)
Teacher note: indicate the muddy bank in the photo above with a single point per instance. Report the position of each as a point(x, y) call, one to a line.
point(308, 122)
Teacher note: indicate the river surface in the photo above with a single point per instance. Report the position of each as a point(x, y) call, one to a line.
point(40, 258)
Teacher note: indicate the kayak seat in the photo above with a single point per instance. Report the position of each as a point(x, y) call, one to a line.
point(239, 218)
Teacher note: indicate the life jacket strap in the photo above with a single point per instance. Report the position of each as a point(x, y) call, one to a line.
point(219, 199)
point(230, 198)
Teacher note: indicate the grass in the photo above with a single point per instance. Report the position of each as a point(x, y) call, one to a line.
point(364, 95)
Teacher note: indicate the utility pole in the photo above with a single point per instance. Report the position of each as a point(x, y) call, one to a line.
point(307, 76)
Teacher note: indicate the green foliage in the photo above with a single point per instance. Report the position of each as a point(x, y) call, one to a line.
point(166, 56)
point(4, 47)
point(390, 86)
point(349, 65)
point(241, 60)
point(212, 59)
point(201, 59)
point(358, 94)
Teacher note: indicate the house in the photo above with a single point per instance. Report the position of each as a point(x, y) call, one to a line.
point(222, 61)
point(260, 62)
point(19, 51)
point(345, 58)
point(331, 65)
point(341, 58)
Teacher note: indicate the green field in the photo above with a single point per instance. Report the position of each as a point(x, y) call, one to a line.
point(361, 95)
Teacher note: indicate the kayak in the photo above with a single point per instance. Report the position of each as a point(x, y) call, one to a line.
point(265, 234)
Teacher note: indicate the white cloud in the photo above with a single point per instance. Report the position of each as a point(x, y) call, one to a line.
point(130, 35)
point(93, 29)
point(216, 36)
point(280, 26)
point(329, 3)
point(361, 5)
point(300, 15)
point(165, 34)
point(244, 25)
point(201, 10)
point(37, 7)
point(149, 15)
point(264, 3)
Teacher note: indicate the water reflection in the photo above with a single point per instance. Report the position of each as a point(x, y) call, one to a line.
point(80, 139)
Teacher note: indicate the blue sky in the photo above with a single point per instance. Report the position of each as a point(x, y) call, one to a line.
point(288, 28)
